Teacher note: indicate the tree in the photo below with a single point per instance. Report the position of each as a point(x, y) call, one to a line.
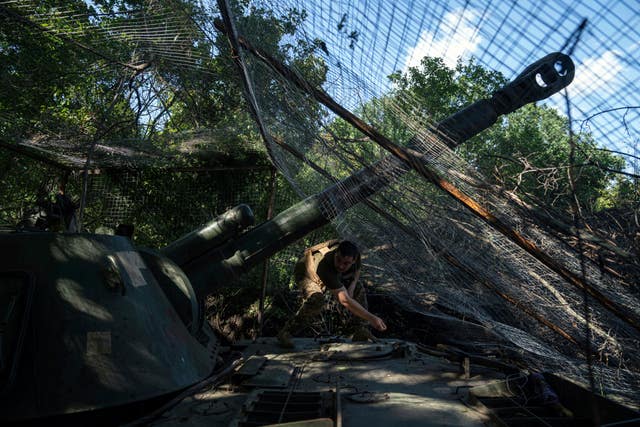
point(81, 72)
point(527, 152)
point(624, 193)
point(52, 85)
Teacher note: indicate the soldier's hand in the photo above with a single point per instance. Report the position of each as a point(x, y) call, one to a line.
point(378, 323)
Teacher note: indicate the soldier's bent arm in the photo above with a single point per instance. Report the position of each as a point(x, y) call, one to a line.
point(354, 307)
point(310, 267)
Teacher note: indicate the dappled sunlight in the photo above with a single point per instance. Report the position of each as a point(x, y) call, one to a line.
point(73, 248)
point(413, 410)
point(74, 294)
point(107, 373)
point(405, 375)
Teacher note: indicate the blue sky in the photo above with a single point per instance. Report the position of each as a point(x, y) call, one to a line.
point(503, 35)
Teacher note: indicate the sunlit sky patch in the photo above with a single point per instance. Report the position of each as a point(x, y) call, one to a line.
point(458, 38)
point(505, 36)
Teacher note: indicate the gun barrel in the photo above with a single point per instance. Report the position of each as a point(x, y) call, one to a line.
point(215, 233)
point(538, 81)
point(222, 265)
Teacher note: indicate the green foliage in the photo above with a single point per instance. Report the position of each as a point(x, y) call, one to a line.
point(529, 151)
point(217, 98)
point(436, 91)
point(24, 182)
point(70, 77)
point(624, 193)
point(49, 85)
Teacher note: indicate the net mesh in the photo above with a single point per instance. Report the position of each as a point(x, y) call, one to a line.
point(425, 249)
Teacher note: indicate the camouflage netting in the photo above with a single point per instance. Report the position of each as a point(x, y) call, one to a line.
point(575, 309)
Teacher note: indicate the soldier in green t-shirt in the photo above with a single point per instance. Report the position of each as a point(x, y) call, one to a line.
point(335, 266)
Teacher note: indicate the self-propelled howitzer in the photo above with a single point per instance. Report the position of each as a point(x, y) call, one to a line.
point(94, 329)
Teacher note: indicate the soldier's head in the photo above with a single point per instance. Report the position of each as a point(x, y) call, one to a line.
point(346, 254)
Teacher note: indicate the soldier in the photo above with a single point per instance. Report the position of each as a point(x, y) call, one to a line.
point(335, 266)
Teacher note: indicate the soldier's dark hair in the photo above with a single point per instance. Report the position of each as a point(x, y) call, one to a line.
point(347, 248)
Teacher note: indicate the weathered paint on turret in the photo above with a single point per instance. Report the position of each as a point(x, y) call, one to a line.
point(101, 332)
